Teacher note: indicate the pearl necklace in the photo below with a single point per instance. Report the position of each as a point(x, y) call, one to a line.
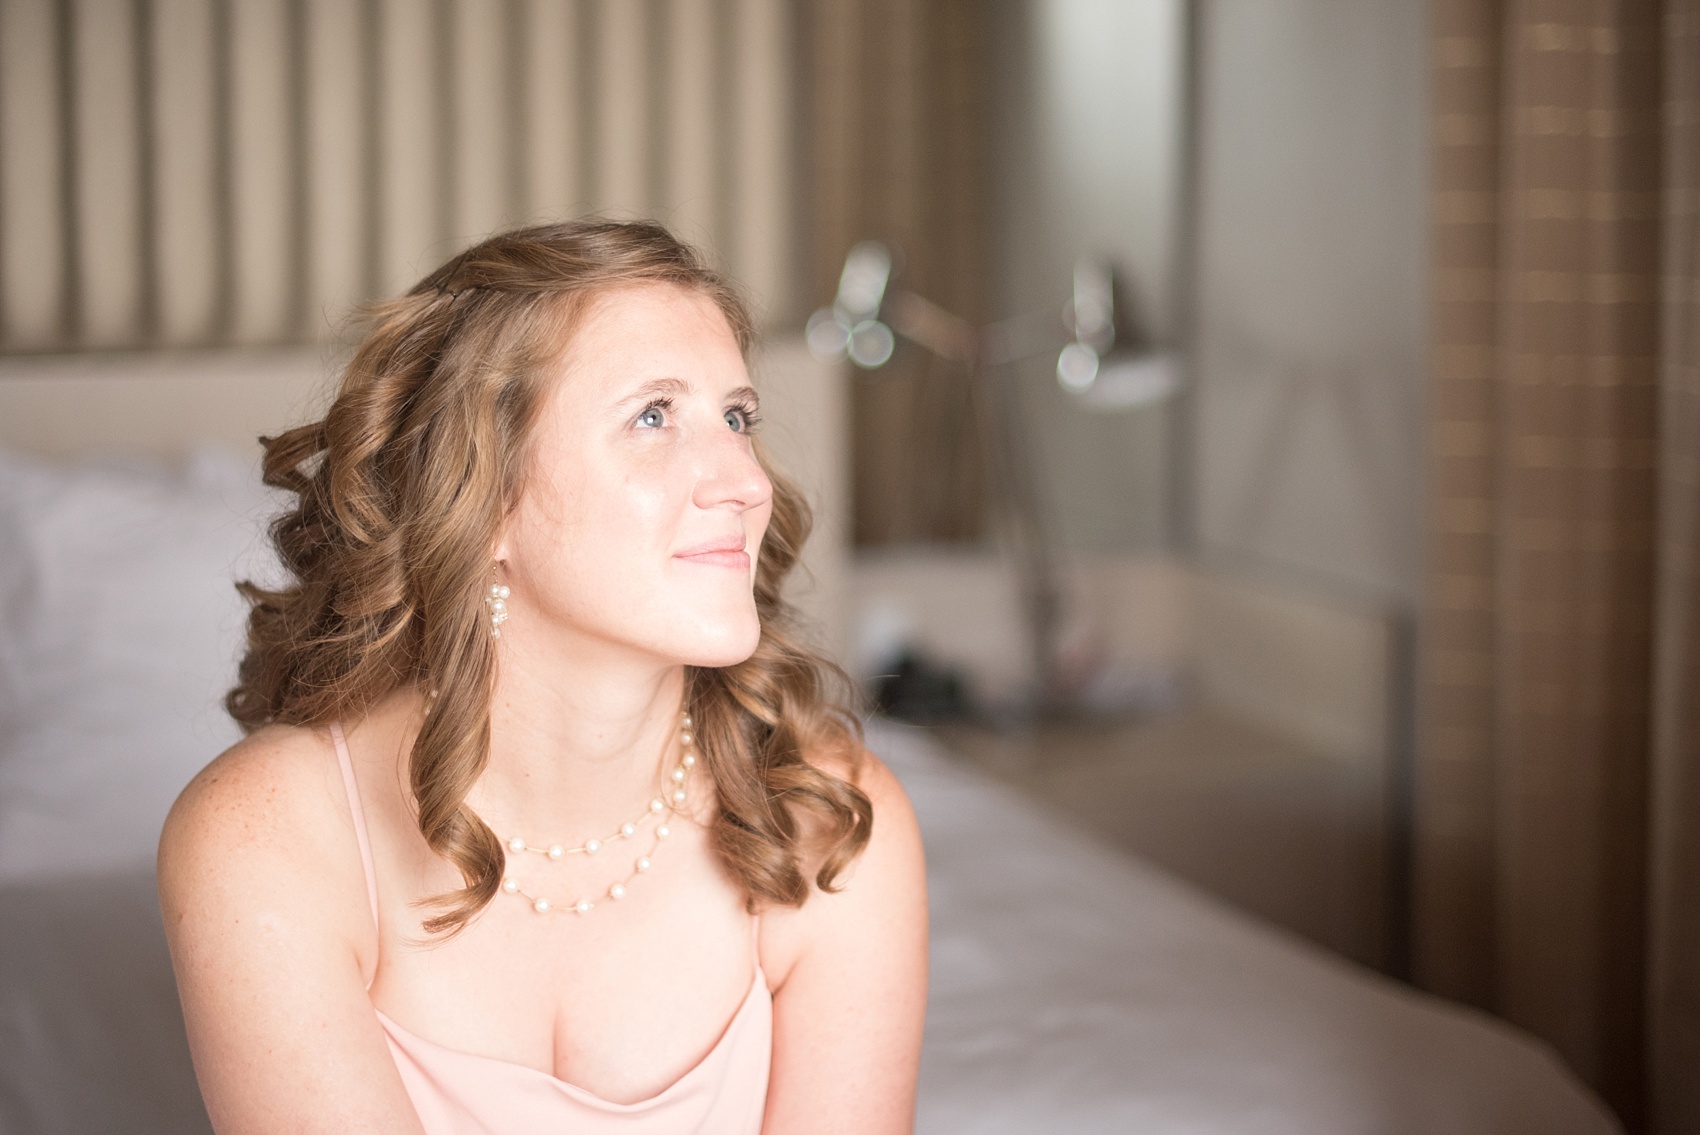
point(660, 809)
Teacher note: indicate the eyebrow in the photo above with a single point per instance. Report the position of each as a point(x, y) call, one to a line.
point(672, 387)
point(657, 388)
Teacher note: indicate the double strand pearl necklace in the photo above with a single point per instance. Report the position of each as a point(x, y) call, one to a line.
point(662, 809)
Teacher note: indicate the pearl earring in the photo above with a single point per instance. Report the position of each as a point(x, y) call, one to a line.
point(497, 602)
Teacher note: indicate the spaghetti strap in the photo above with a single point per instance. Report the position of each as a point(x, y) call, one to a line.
point(359, 814)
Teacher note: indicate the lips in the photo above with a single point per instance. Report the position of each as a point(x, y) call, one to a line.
point(727, 552)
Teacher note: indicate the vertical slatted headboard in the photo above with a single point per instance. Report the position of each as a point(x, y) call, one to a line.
point(179, 173)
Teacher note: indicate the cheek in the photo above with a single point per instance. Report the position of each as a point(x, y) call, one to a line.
point(592, 539)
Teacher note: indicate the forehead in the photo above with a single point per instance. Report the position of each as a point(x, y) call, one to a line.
point(645, 331)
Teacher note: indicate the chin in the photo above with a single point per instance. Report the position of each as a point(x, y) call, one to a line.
point(717, 645)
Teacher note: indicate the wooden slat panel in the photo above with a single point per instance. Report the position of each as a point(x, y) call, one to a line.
point(689, 197)
point(185, 168)
point(335, 159)
point(248, 169)
point(835, 60)
point(761, 133)
point(480, 131)
point(261, 170)
point(411, 237)
point(107, 191)
point(553, 139)
point(622, 109)
point(31, 270)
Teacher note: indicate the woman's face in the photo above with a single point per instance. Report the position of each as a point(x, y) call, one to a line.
point(645, 508)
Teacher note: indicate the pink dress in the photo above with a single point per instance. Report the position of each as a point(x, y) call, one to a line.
point(459, 1093)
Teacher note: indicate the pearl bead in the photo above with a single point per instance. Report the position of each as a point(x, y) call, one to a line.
point(503, 592)
point(498, 607)
point(496, 590)
point(662, 806)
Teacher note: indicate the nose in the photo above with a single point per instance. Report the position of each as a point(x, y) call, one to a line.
point(729, 475)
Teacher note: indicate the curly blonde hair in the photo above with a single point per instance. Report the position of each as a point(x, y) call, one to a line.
point(399, 494)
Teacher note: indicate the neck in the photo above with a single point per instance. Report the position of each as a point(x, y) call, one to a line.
point(579, 733)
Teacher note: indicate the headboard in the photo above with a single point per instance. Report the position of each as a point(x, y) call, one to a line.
point(160, 404)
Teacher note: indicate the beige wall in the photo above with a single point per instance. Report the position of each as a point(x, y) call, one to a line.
point(1311, 290)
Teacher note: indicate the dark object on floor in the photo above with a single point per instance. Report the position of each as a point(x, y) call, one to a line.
point(922, 692)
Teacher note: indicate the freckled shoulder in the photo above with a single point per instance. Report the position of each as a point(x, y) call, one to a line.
point(268, 782)
point(268, 817)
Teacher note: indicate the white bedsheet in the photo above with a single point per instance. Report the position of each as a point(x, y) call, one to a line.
point(1073, 989)
point(1078, 989)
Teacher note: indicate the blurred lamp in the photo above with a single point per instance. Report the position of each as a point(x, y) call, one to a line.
point(1099, 372)
point(851, 327)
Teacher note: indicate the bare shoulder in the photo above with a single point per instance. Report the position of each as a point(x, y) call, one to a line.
point(266, 784)
point(848, 972)
point(879, 898)
point(266, 810)
point(273, 943)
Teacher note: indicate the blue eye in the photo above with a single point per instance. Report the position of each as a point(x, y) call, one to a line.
point(742, 419)
point(653, 417)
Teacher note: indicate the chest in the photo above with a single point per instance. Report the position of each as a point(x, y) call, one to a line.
point(620, 1001)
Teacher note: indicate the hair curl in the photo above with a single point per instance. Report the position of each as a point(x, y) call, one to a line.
point(399, 494)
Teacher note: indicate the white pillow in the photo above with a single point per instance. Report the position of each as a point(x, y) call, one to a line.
point(120, 630)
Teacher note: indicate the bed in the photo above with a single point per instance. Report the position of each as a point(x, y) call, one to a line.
point(1073, 988)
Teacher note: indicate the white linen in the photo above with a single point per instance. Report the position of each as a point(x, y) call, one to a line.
point(119, 635)
point(1078, 989)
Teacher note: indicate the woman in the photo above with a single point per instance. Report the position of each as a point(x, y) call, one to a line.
point(544, 821)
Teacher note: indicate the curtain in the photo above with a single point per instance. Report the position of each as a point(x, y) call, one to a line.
point(1561, 651)
point(1674, 1000)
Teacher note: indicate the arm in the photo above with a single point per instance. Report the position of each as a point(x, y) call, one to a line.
point(847, 1014)
point(267, 926)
